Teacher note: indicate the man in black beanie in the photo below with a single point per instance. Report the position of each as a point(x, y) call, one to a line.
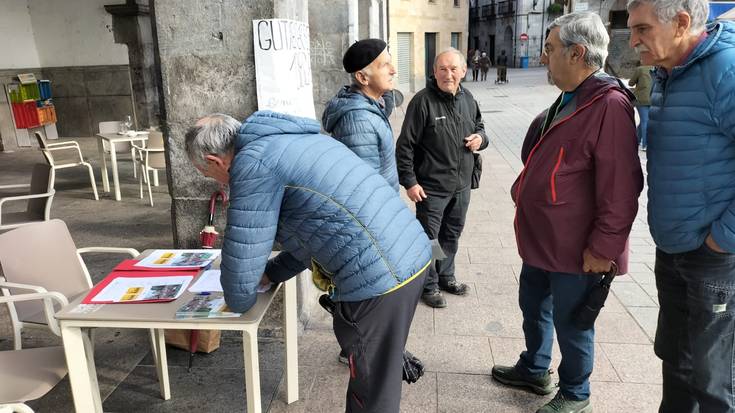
point(358, 115)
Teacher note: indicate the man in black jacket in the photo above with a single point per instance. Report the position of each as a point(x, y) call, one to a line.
point(442, 128)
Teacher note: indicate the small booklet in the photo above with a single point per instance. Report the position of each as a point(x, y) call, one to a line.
point(178, 259)
point(131, 287)
point(206, 305)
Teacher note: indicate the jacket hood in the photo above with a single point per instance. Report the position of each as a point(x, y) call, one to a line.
point(600, 83)
point(265, 123)
point(346, 101)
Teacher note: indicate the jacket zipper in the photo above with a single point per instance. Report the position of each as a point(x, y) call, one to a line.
point(528, 161)
point(553, 174)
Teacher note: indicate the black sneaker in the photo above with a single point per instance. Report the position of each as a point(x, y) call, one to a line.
point(510, 376)
point(343, 358)
point(454, 287)
point(434, 299)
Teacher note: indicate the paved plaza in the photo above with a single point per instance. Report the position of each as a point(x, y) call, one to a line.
point(458, 344)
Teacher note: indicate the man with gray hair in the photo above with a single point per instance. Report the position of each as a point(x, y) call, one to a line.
point(332, 212)
point(442, 130)
point(576, 200)
point(691, 197)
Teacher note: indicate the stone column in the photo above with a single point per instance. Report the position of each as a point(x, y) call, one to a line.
point(206, 60)
point(131, 25)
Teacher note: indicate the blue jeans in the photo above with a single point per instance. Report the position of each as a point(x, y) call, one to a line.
point(549, 301)
point(643, 125)
point(696, 329)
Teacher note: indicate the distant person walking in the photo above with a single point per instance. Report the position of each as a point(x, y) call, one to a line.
point(641, 79)
point(475, 65)
point(485, 64)
point(502, 62)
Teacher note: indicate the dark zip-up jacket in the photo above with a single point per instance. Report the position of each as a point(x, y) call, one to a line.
point(430, 150)
point(581, 179)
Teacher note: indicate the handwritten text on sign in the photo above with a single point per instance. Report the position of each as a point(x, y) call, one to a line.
point(283, 66)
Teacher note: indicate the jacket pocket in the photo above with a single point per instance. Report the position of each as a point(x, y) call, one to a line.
point(552, 180)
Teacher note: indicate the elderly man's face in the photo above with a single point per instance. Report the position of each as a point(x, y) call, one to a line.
point(217, 168)
point(449, 70)
point(655, 41)
point(557, 60)
point(381, 73)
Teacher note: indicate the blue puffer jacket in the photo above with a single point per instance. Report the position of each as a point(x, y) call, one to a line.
point(316, 198)
point(691, 147)
point(360, 123)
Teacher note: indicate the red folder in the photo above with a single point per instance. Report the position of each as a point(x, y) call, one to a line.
point(129, 274)
point(129, 265)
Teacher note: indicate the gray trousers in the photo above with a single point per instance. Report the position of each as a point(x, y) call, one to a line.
point(373, 333)
point(443, 219)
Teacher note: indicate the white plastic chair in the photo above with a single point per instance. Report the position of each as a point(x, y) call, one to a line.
point(151, 158)
point(48, 148)
point(113, 127)
point(61, 270)
point(39, 195)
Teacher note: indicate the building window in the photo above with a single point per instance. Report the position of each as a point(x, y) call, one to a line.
point(456, 3)
point(432, 1)
point(456, 36)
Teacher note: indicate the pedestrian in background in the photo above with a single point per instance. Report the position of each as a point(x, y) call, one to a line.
point(485, 64)
point(641, 79)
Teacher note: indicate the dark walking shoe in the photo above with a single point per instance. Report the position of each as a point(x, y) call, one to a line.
point(434, 299)
point(454, 287)
point(510, 376)
point(560, 404)
point(343, 358)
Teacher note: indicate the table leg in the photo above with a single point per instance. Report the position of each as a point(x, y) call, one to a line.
point(290, 319)
point(252, 369)
point(162, 363)
point(105, 179)
point(82, 376)
point(115, 178)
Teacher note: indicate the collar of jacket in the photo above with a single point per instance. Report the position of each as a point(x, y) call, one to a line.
point(597, 84)
point(434, 87)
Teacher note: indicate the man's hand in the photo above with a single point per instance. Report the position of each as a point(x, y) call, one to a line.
point(590, 263)
point(265, 280)
point(473, 142)
point(416, 193)
point(712, 244)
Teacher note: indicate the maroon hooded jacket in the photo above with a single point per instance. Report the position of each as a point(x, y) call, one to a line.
point(582, 177)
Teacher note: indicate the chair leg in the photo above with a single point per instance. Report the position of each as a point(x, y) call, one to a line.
point(135, 161)
point(91, 179)
point(150, 194)
point(141, 178)
point(155, 177)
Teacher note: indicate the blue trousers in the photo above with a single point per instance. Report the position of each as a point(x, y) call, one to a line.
point(549, 301)
point(696, 329)
point(643, 125)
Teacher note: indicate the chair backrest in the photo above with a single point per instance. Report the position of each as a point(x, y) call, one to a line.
point(43, 254)
point(40, 139)
point(155, 141)
point(42, 181)
point(112, 127)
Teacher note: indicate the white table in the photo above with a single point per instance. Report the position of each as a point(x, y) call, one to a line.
point(160, 316)
point(112, 139)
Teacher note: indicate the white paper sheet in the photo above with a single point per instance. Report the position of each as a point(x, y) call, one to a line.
point(209, 282)
point(131, 289)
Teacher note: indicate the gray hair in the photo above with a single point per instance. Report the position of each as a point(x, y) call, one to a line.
point(587, 30)
point(455, 51)
point(212, 135)
point(666, 10)
point(367, 71)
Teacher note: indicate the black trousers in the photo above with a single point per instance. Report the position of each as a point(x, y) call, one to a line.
point(373, 332)
point(443, 219)
point(696, 330)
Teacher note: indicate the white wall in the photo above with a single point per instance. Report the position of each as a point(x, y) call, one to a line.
point(17, 44)
point(74, 33)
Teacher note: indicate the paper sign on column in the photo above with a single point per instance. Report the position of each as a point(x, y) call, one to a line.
point(209, 282)
point(283, 67)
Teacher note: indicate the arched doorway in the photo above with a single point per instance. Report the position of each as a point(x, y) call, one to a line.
point(508, 45)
